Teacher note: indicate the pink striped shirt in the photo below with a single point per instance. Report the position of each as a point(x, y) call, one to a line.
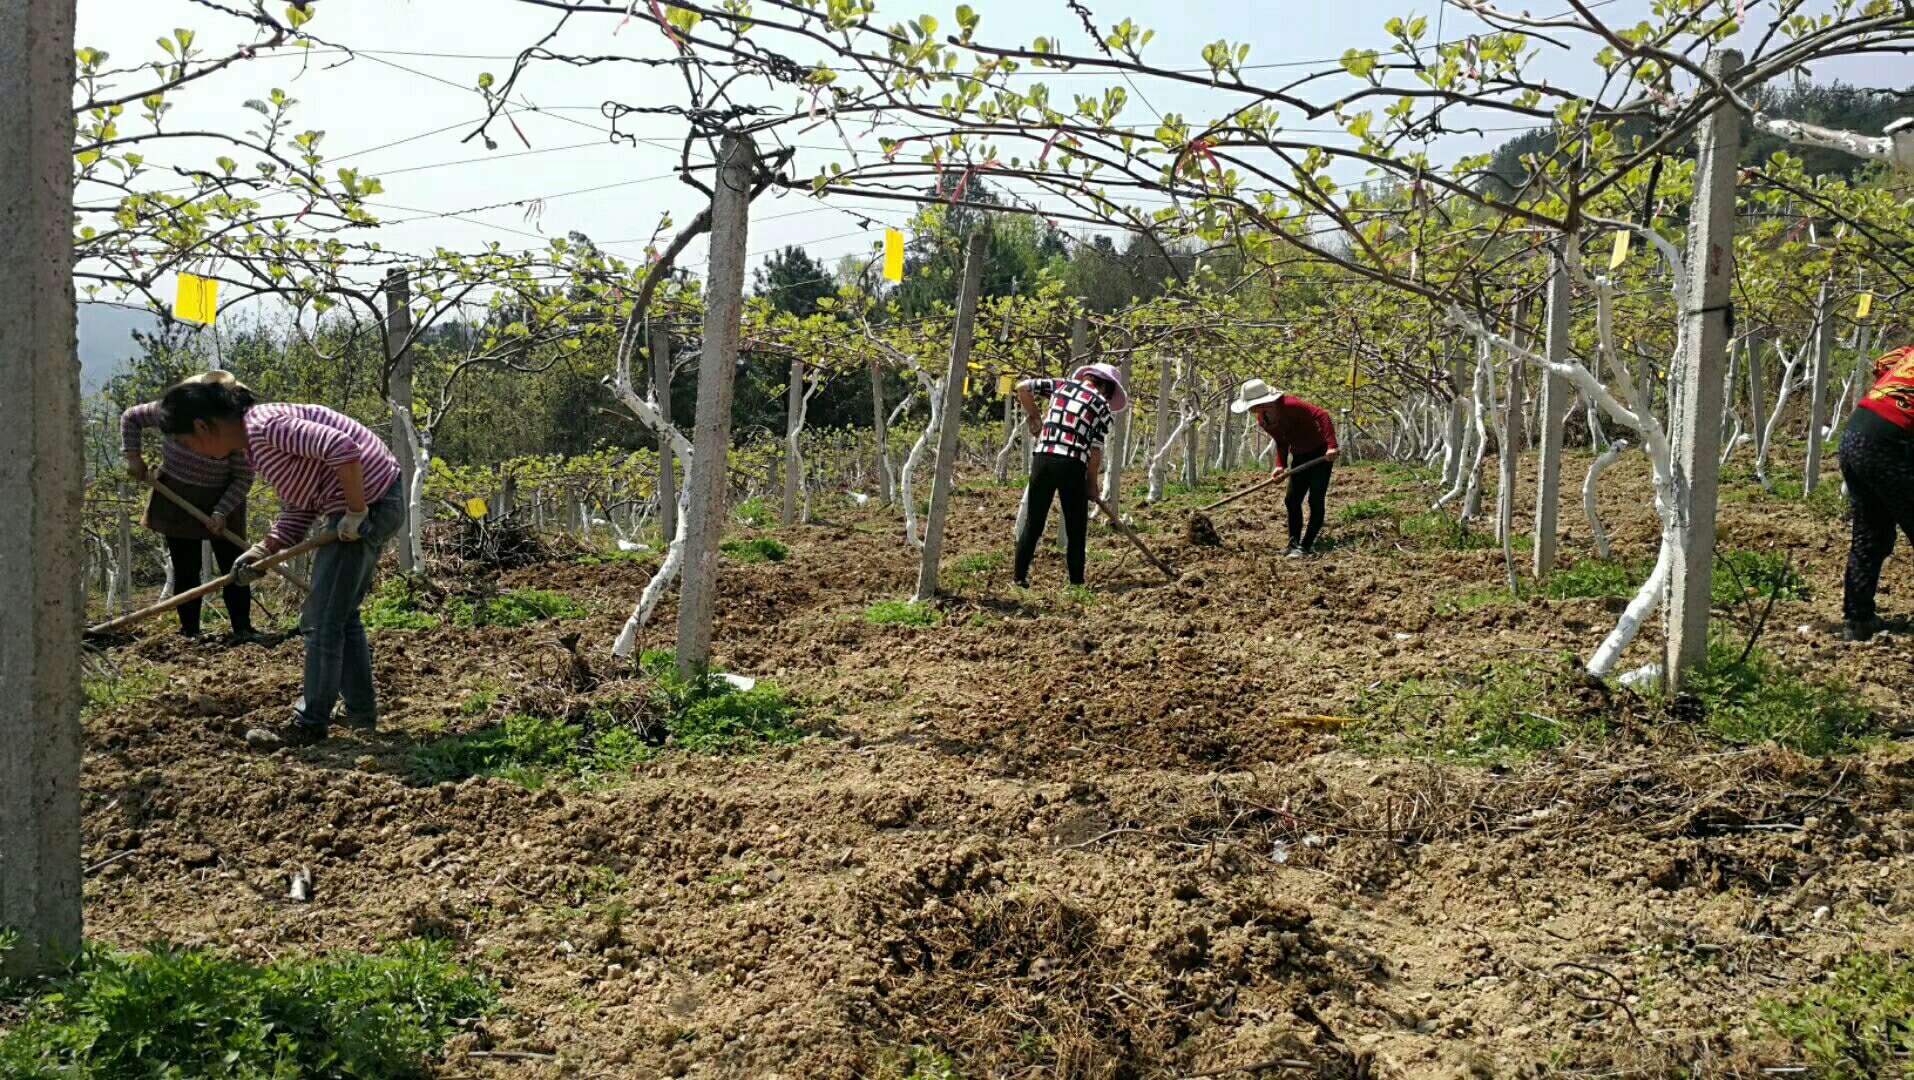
point(298, 449)
point(179, 463)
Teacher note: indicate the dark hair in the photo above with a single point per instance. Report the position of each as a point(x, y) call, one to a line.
point(188, 402)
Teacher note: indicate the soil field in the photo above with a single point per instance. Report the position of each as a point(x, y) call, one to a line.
point(1120, 834)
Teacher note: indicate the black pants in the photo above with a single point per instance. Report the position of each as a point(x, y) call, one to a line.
point(1069, 479)
point(1877, 461)
point(1313, 485)
point(239, 598)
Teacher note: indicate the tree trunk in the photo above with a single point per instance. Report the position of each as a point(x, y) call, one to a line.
point(953, 416)
point(667, 458)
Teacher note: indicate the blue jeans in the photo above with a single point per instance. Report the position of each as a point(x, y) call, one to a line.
point(338, 656)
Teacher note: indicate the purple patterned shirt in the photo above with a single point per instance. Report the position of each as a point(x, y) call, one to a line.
point(179, 463)
point(298, 449)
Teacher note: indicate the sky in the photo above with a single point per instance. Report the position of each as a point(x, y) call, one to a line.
point(403, 107)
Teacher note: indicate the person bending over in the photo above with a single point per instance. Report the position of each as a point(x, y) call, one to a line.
point(322, 464)
point(218, 487)
point(1303, 434)
point(1068, 456)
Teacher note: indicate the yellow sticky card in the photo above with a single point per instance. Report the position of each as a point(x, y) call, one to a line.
point(1005, 385)
point(966, 386)
point(1865, 307)
point(1620, 255)
point(198, 300)
point(477, 508)
point(893, 255)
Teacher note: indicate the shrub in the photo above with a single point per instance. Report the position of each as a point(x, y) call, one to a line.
point(169, 1012)
point(756, 550)
point(902, 613)
point(1857, 1025)
point(519, 607)
point(1759, 700)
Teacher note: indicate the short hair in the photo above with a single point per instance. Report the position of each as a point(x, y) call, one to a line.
point(194, 400)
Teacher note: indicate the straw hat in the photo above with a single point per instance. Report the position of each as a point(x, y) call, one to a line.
point(1120, 400)
point(1254, 392)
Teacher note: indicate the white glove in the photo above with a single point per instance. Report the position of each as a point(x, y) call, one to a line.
point(243, 567)
point(349, 524)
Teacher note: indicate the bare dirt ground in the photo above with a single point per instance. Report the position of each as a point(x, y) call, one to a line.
point(1106, 837)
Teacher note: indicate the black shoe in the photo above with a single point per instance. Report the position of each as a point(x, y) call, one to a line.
point(1021, 584)
point(248, 636)
point(360, 721)
point(1860, 629)
point(301, 734)
point(1295, 553)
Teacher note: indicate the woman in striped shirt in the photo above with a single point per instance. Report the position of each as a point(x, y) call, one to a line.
point(322, 464)
point(217, 486)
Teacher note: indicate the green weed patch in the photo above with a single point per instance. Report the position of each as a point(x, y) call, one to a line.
point(1500, 710)
point(756, 550)
point(1858, 1025)
point(519, 607)
point(131, 684)
point(394, 605)
point(168, 1012)
point(1760, 700)
point(902, 613)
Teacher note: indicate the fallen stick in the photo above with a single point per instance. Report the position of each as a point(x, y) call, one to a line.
point(208, 588)
point(228, 534)
point(1131, 536)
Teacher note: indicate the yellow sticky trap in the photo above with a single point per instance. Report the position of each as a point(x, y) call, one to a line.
point(1005, 385)
point(966, 386)
point(198, 300)
point(893, 255)
point(1865, 307)
point(477, 508)
point(1620, 255)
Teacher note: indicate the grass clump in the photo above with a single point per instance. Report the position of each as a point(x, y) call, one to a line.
point(705, 713)
point(168, 1012)
point(130, 684)
point(1759, 700)
point(1856, 1026)
point(1599, 578)
point(1434, 528)
point(759, 549)
point(522, 748)
point(394, 605)
point(755, 513)
point(480, 701)
point(519, 607)
point(1367, 510)
point(902, 613)
point(924, 1063)
point(1505, 709)
point(614, 557)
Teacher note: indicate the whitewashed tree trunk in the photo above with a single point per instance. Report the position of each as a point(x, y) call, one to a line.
point(1591, 490)
point(1789, 364)
point(1818, 388)
point(1165, 433)
point(880, 436)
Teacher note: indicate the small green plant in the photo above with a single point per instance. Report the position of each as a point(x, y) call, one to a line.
point(927, 1063)
point(521, 748)
point(168, 1012)
point(1503, 709)
point(705, 713)
point(1856, 1026)
point(519, 607)
point(1475, 600)
point(614, 557)
point(394, 605)
point(1758, 700)
point(132, 683)
point(1744, 575)
point(1599, 578)
point(758, 549)
point(755, 513)
point(981, 563)
point(480, 701)
point(902, 613)
point(1437, 529)
point(1080, 595)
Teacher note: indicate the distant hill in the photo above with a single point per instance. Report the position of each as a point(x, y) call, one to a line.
point(106, 341)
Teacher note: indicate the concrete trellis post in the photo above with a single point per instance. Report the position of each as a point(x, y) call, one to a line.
point(1695, 387)
point(1557, 397)
point(1818, 387)
point(793, 424)
point(1119, 448)
point(953, 418)
point(667, 460)
point(886, 490)
point(398, 327)
point(41, 484)
point(717, 372)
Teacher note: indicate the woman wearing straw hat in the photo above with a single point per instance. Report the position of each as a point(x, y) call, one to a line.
point(218, 486)
point(1068, 455)
point(1303, 434)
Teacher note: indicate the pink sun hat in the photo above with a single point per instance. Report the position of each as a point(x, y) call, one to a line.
point(1109, 374)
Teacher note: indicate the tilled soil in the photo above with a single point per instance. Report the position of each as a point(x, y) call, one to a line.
point(1113, 836)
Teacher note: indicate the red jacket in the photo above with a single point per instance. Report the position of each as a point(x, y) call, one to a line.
point(1299, 428)
point(1892, 397)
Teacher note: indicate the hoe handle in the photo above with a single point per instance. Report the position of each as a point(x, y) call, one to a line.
point(208, 588)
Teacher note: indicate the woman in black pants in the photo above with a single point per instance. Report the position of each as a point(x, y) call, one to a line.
point(217, 487)
point(1068, 457)
point(1877, 461)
